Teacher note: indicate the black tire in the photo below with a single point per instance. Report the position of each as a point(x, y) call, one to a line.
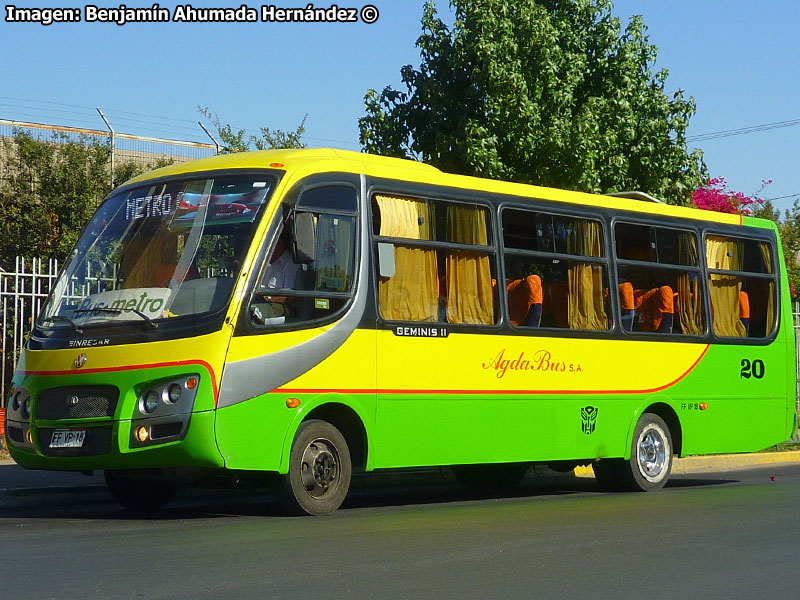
point(650, 464)
point(491, 478)
point(140, 490)
point(319, 470)
point(610, 474)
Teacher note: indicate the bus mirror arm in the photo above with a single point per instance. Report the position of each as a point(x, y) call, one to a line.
point(303, 238)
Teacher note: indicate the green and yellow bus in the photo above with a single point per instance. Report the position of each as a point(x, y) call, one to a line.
point(314, 312)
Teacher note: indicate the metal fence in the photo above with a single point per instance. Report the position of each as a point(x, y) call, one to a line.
point(125, 147)
point(22, 293)
point(24, 290)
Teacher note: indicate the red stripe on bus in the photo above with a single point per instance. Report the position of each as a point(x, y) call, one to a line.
point(489, 392)
point(135, 367)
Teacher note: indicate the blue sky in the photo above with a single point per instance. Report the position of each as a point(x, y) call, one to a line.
point(739, 59)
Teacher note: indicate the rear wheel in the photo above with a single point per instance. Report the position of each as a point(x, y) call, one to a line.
point(650, 464)
point(319, 470)
point(140, 490)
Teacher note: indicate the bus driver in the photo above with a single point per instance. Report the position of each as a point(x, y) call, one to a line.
point(281, 274)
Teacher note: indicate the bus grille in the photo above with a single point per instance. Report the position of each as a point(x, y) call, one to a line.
point(77, 402)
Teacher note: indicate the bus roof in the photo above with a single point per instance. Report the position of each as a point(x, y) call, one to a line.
point(302, 162)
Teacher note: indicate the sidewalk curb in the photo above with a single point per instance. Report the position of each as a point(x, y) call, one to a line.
point(720, 463)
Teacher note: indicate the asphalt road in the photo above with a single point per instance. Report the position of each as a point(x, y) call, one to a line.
point(733, 535)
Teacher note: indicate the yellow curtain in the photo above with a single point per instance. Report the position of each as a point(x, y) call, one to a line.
point(690, 305)
point(767, 256)
point(150, 261)
point(725, 253)
point(585, 301)
point(411, 294)
point(469, 279)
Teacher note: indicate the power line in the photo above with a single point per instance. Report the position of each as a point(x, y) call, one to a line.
point(741, 131)
point(783, 197)
point(159, 123)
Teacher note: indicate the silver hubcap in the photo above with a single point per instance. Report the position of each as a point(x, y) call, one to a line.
point(319, 468)
point(652, 453)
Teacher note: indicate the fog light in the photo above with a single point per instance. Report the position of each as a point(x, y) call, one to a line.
point(150, 401)
point(142, 434)
point(174, 393)
point(29, 436)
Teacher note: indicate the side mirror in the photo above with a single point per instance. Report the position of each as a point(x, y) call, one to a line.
point(386, 266)
point(304, 241)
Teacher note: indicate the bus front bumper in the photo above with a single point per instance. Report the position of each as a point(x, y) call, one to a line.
point(74, 445)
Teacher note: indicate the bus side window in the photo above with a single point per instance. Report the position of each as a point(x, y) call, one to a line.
point(653, 298)
point(556, 273)
point(295, 289)
point(742, 305)
point(443, 261)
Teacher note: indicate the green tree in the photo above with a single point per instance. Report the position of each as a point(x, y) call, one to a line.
point(48, 193)
point(50, 189)
point(550, 92)
point(789, 229)
point(238, 140)
point(130, 169)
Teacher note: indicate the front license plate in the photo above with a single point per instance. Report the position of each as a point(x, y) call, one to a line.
point(68, 438)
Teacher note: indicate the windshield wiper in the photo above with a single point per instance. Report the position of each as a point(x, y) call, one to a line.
point(60, 319)
point(116, 311)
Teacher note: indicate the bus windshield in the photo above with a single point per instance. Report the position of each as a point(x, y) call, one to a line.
point(159, 251)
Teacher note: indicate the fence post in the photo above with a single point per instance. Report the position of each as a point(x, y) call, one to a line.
point(797, 352)
point(3, 292)
point(111, 135)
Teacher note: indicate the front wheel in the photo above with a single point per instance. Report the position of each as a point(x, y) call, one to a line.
point(319, 470)
point(650, 464)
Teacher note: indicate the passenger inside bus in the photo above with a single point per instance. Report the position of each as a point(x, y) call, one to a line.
point(282, 271)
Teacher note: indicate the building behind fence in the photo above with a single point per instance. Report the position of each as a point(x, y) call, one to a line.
point(141, 150)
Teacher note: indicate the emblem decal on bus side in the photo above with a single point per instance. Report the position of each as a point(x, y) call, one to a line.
point(418, 331)
point(589, 419)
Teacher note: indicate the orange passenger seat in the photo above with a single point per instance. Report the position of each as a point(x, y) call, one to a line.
point(655, 309)
point(744, 311)
point(525, 301)
point(626, 305)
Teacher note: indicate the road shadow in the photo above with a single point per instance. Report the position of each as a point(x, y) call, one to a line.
point(687, 482)
point(370, 490)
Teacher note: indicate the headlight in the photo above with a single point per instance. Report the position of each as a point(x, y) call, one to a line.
point(15, 402)
point(149, 402)
point(26, 408)
point(174, 393)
